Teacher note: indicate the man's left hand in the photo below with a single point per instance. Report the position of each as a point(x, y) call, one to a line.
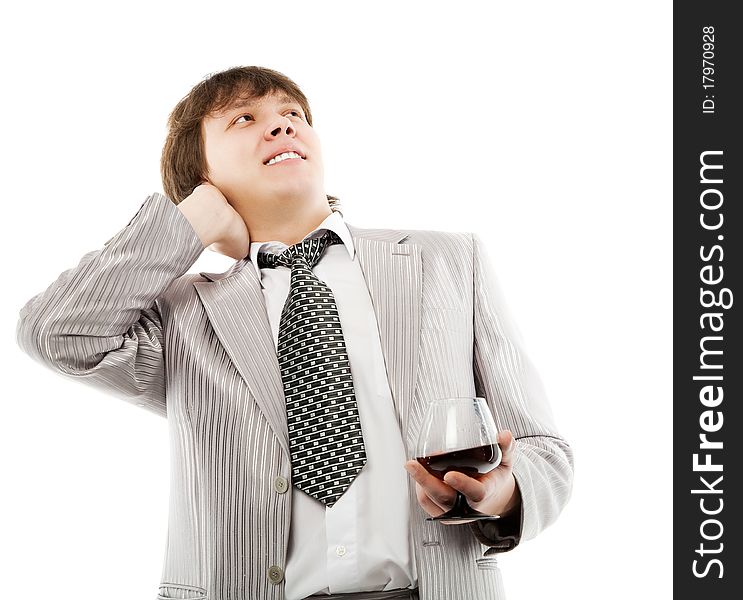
point(494, 493)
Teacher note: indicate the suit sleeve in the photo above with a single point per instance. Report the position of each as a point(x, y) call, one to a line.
point(505, 376)
point(100, 322)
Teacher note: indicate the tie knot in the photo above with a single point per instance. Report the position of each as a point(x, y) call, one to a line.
point(310, 250)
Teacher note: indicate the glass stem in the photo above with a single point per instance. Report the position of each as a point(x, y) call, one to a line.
point(461, 507)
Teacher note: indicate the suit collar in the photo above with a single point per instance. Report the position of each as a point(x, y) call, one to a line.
point(392, 236)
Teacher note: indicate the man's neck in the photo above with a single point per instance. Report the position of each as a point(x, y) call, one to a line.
point(288, 228)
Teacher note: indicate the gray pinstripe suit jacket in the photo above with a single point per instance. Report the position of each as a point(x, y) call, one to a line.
point(197, 349)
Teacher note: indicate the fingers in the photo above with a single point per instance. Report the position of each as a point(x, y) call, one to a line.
point(434, 496)
point(507, 445)
point(475, 490)
point(427, 504)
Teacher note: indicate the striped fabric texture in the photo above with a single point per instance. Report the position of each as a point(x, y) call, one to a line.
point(198, 350)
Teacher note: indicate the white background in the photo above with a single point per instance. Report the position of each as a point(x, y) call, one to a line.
point(543, 126)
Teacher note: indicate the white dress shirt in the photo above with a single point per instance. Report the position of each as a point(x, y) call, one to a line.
point(363, 542)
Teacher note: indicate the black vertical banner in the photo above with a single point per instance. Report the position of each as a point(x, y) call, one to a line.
point(708, 302)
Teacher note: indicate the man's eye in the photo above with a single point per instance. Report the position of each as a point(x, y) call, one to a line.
point(296, 112)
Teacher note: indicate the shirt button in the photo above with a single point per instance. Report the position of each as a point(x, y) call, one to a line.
point(340, 550)
point(280, 484)
point(275, 574)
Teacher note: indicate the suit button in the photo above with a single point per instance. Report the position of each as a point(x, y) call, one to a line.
point(280, 484)
point(275, 574)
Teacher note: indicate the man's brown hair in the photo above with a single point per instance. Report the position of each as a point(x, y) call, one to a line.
point(183, 162)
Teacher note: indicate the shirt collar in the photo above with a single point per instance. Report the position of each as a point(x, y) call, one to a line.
point(334, 222)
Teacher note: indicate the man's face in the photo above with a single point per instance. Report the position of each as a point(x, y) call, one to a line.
point(239, 143)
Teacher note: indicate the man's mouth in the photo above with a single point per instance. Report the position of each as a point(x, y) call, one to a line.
point(282, 157)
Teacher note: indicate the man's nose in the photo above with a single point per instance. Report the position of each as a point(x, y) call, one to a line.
point(283, 124)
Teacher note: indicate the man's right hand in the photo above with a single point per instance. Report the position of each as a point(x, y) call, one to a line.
point(219, 226)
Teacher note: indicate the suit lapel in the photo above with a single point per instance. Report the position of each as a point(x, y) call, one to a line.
point(393, 277)
point(236, 310)
point(235, 306)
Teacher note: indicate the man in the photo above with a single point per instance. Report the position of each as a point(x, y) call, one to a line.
point(294, 383)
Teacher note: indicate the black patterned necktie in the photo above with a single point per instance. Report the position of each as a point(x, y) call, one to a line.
point(325, 438)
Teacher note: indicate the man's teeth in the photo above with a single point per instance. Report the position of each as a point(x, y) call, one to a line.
point(283, 156)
